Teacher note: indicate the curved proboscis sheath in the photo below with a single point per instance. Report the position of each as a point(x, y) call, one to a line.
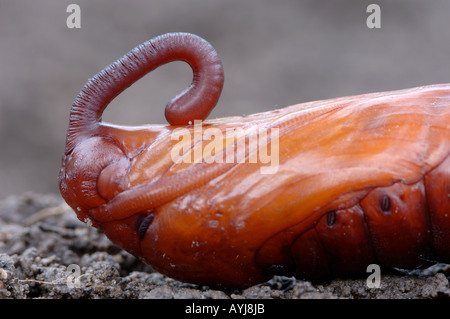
point(350, 181)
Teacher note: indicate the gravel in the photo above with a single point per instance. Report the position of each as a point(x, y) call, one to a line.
point(46, 252)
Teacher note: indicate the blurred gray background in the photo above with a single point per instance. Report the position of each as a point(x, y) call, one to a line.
point(275, 53)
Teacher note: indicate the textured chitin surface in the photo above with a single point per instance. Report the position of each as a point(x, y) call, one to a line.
point(360, 180)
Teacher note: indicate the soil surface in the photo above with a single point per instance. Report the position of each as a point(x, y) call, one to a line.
point(46, 252)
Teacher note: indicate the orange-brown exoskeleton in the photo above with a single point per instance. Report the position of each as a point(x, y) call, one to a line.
point(313, 190)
